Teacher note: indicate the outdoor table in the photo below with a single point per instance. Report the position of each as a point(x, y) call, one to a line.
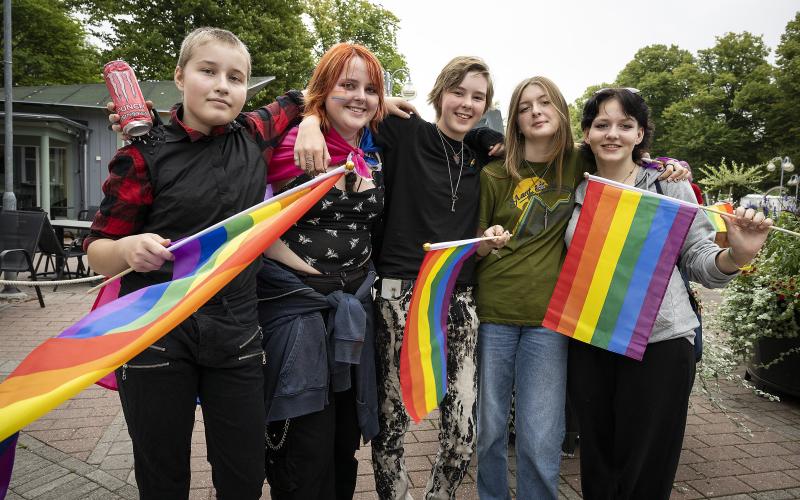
point(58, 226)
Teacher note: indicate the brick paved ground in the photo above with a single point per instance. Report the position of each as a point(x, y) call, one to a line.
point(82, 450)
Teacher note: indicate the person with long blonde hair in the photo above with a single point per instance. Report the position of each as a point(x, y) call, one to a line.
point(532, 194)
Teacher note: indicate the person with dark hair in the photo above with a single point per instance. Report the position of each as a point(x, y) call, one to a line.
point(632, 414)
point(531, 192)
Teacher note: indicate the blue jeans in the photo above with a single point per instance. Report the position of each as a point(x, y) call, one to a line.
point(533, 362)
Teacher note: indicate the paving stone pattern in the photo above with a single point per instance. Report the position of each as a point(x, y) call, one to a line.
point(82, 450)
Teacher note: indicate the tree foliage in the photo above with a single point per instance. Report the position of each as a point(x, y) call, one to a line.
point(358, 21)
point(149, 34)
point(725, 101)
point(48, 46)
point(732, 181)
point(784, 120)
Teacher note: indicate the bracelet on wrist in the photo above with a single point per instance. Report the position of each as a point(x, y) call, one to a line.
point(743, 267)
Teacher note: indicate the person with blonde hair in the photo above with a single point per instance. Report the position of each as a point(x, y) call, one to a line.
point(208, 162)
point(532, 194)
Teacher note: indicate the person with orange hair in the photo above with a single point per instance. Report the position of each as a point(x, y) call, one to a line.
point(315, 301)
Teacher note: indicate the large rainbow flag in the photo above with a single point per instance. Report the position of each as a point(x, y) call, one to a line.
point(112, 334)
point(618, 266)
point(423, 355)
point(716, 219)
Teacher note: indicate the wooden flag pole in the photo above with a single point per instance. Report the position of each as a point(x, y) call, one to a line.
point(676, 200)
point(447, 244)
point(348, 167)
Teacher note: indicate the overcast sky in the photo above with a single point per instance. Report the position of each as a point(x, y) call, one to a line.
point(576, 43)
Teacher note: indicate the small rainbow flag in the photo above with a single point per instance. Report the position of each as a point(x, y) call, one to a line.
point(716, 219)
point(115, 332)
point(618, 266)
point(423, 356)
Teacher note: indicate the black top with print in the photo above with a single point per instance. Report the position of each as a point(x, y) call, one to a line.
point(335, 234)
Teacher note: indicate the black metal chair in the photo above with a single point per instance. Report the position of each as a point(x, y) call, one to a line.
point(88, 213)
point(19, 237)
point(76, 247)
point(56, 255)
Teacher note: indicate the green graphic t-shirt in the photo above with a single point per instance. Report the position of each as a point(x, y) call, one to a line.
point(515, 283)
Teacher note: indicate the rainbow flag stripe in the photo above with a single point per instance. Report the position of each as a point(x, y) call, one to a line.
point(115, 332)
point(423, 356)
point(618, 266)
point(716, 219)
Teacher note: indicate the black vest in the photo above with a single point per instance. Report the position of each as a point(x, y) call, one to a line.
point(195, 185)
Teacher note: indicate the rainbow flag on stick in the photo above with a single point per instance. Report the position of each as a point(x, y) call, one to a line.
point(423, 356)
point(115, 332)
point(716, 219)
point(618, 266)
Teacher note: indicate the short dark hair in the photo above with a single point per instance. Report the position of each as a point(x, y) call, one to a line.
point(632, 104)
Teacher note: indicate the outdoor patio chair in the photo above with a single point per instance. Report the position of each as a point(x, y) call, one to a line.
point(88, 213)
point(19, 237)
point(76, 247)
point(56, 255)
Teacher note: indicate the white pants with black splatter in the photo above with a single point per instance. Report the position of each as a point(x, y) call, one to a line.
point(457, 410)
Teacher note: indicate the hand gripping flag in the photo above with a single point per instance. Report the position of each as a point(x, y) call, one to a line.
point(423, 356)
point(114, 333)
point(618, 266)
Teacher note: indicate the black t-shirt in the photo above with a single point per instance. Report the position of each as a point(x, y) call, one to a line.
point(419, 203)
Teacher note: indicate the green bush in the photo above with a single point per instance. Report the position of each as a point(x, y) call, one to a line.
point(765, 300)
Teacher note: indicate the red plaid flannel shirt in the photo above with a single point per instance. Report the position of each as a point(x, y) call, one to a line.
point(128, 191)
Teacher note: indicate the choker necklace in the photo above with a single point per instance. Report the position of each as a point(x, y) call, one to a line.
point(457, 158)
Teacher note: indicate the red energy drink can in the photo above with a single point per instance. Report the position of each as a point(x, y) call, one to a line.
point(134, 117)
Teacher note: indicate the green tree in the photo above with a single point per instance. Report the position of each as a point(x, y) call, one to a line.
point(732, 181)
point(576, 109)
point(664, 75)
point(726, 113)
point(48, 46)
point(783, 122)
point(148, 34)
point(357, 21)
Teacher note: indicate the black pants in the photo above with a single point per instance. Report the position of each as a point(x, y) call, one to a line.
point(215, 356)
point(632, 417)
point(317, 458)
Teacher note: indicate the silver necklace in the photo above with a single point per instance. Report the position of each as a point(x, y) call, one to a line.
point(460, 160)
point(530, 166)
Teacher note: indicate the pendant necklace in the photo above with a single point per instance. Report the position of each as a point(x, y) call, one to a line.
point(546, 171)
point(453, 191)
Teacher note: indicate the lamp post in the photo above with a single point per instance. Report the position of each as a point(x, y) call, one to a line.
point(786, 165)
point(795, 181)
point(407, 92)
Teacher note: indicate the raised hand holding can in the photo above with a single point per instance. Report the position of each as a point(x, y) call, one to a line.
point(134, 117)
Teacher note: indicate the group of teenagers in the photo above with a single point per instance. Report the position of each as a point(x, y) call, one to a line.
point(295, 362)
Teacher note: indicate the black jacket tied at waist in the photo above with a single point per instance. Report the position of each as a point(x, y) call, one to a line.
point(307, 356)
